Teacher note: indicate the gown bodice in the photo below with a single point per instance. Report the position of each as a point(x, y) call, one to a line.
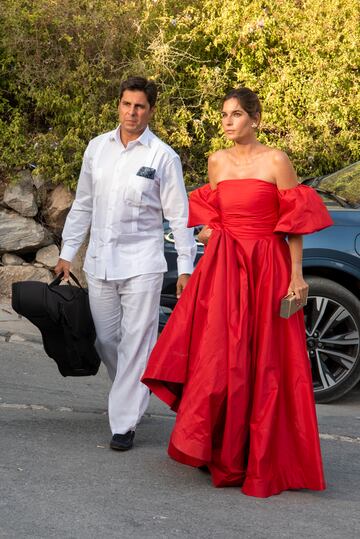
point(248, 209)
point(256, 208)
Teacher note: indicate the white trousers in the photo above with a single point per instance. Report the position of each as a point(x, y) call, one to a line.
point(126, 317)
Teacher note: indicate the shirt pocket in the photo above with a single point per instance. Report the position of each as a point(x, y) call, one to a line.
point(137, 191)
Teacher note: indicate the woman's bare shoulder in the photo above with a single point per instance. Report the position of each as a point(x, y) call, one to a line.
point(217, 157)
point(277, 157)
point(215, 163)
point(282, 169)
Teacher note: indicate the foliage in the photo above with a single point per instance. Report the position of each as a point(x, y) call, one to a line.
point(62, 62)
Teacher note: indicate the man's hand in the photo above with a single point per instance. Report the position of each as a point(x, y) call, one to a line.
point(63, 266)
point(181, 283)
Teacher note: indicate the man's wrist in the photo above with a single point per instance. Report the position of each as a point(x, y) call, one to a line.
point(185, 267)
point(67, 253)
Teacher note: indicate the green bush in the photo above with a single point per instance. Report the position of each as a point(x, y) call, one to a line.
point(62, 62)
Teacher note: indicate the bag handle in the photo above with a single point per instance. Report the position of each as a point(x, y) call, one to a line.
point(59, 277)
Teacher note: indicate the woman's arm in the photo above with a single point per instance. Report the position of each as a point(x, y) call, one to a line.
point(213, 165)
point(286, 178)
point(297, 283)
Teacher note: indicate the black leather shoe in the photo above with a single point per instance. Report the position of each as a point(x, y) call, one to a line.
point(123, 442)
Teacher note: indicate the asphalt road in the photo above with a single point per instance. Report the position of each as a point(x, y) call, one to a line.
point(59, 479)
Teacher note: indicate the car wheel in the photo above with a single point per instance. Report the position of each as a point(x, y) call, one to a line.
point(332, 318)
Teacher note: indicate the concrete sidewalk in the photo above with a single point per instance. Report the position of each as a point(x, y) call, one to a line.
point(14, 327)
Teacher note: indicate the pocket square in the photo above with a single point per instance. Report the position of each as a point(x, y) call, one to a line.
point(146, 172)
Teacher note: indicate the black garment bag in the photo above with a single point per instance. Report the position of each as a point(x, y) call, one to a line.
point(62, 314)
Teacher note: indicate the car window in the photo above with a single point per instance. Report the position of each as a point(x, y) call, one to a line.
point(330, 201)
point(344, 183)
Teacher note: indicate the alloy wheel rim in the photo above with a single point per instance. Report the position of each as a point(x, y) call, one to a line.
point(332, 339)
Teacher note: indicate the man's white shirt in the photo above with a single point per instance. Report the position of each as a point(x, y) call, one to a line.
point(124, 210)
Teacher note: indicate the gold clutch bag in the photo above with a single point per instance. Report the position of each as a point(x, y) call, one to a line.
point(289, 306)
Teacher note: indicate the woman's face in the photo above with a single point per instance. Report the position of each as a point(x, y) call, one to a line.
point(236, 122)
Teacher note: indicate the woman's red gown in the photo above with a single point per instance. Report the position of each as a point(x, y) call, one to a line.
point(236, 373)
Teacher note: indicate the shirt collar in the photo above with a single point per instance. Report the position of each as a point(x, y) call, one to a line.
point(143, 139)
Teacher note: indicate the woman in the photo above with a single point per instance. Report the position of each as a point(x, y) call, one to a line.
point(237, 373)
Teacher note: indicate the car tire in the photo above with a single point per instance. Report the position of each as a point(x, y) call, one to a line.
point(332, 318)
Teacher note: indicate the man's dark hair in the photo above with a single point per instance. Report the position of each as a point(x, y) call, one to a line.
point(248, 100)
point(141, 84)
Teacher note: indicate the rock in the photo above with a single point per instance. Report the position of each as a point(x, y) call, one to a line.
point(20, 195)
point(48, 256)
point(16, 338)
point(21, 234)
point(41, 196)
point(38, 265)
point(38, 180)
point(78, 262)
point(43, 186)
point(57, 206)
point(13, 274)
point(8, 259)
point(3, 185)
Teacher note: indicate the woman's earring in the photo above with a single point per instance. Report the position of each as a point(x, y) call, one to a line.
point(254, 126)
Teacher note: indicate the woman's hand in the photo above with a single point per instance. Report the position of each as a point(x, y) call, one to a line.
point(297, 284)
point(300, 288)
point(204, 235)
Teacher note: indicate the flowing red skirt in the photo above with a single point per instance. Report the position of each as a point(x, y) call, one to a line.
point(237, 374)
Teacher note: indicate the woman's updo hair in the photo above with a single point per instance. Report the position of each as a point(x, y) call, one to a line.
point(248, 100)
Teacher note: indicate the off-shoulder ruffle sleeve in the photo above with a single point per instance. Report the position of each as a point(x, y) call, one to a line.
point(203, 207)
point(301, 211)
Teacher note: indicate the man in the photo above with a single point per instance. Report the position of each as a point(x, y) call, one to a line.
point(129, 177)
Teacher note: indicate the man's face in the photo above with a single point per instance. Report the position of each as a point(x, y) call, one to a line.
point(134, 112)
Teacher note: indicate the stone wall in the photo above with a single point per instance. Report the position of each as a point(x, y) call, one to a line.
point(32, 216)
